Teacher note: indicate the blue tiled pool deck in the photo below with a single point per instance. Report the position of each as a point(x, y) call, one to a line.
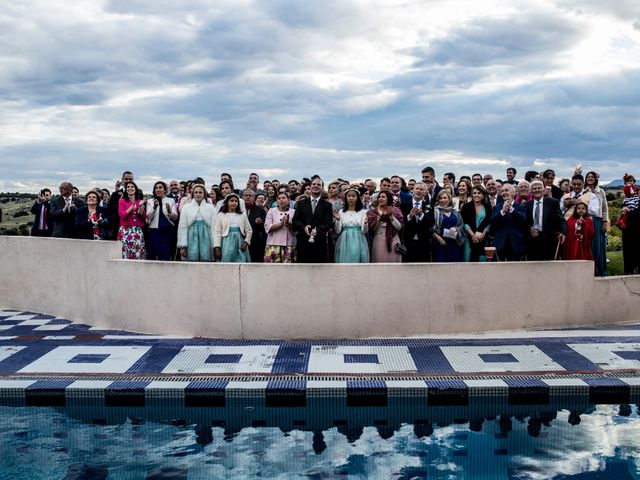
point(50, 361)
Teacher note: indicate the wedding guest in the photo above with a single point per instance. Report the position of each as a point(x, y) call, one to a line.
point(232, 232)
point(385, 222)
point(281, 240)
point(351, 226)
point(113, 216)
point(464, 194)
point(600, 219)
point(90, 218)
point(508, 227)
point(131, 211)
point(448, 232)
point(63, 212)
point(580, 233)
point(312, 220)
point(195, 230)
point(524, 192)
point(418, 224)
point(42, 223)
point(547, 226)
point(257, 217)
point(476, 216)
point(162, 215)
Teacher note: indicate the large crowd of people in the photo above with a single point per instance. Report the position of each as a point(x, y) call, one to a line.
point(472, 218)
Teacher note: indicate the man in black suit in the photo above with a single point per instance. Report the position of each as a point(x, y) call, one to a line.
point(433, 188)
point(63, 212)
point(508, 227)
point(42, 223)
point(256, 216)
point(546, 224)
point(112, 209)
point(312, 220)
point(418, 224)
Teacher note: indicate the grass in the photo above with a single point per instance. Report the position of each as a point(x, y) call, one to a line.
point(16, 225)
point(616, 266)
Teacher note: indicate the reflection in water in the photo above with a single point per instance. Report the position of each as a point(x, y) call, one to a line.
point(47, 443)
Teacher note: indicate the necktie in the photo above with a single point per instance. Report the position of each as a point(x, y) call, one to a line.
point(43, 218)
point(536, 215)
point(576, 195)
point(417, 203)
point(314, 204)
point(493, 201)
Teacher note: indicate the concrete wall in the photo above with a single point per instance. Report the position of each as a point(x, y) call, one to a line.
point(86, 281)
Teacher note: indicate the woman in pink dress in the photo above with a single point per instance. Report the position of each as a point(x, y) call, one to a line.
point(385, 222)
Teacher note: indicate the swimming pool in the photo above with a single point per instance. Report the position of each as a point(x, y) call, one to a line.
point(100, 443)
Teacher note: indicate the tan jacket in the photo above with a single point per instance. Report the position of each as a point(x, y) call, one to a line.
point(221, 228)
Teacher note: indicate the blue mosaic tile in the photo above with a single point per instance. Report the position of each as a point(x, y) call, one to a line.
point(89, 358)
point(497, 357)
point(292, 358)
point(213, 358)
point(629, 355)
point(360, 358)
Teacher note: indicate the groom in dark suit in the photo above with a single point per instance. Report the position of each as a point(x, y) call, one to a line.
point(312, 220)
point(546, 224)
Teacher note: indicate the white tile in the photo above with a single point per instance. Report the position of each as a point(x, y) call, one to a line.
point(633, 381)
point(39, 321)
point(486, 383)
point(167, 385)
point(7, 350)
point(247, 385)
point(90, 385)
point(254, 359)
point(565, 382)
point(21, 317)
point(602, 354)
point(330, 359)
point(51, 327)
point(59, 337)
point(120, 360)
point(16, 384)
point(401, 384)
point(8, 313)
point(530, 358)
point(7, 338)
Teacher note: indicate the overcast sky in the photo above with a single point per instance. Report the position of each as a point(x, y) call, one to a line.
point(349, 88)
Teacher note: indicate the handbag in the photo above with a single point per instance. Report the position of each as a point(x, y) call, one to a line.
point(400, 249)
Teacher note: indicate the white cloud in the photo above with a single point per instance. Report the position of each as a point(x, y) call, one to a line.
point(345, 88)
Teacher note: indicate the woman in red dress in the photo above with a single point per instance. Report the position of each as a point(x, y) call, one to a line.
point(580, 233)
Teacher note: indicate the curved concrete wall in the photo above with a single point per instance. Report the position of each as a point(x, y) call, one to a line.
point(86, 281)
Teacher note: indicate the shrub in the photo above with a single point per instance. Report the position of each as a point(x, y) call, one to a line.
point(21, 213)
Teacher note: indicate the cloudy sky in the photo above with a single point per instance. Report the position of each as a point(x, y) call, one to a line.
point(289, 88)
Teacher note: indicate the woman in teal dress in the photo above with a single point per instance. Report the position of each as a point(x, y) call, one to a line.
point(476, 216)
point(351, 226)
point(232, 232)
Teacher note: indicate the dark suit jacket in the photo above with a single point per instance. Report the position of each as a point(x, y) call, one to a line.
point(113, 216)
point(64, 223)
point(258, 237)
point(512, 227)
point(36, 209)
point(423, 228)
point(553, 221)
point(84, 229)
point(322, 220)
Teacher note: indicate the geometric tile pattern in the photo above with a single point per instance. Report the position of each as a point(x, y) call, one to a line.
point(45, 360)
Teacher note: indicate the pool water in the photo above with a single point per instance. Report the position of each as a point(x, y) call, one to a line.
point(46, 443)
